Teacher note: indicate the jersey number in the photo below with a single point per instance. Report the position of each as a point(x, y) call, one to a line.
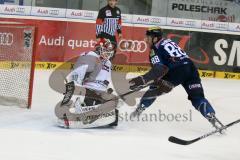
point(155, 60)
point(174, 50)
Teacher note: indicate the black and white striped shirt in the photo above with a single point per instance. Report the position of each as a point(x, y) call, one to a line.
point(109, 22)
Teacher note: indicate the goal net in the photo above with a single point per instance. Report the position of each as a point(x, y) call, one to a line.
point(16, 64)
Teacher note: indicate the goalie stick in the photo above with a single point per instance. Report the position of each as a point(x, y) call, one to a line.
point(188, 142)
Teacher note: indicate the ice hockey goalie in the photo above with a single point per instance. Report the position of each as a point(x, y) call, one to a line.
point(98, 107)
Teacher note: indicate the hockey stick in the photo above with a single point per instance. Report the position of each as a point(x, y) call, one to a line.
point(130, 92)
point(186, 142)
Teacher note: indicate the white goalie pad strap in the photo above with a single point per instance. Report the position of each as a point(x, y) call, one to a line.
point(103, 121)
point(78, 108)
point(77, 75)
point(82, 109)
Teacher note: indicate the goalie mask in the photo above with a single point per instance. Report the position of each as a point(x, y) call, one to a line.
point(106, 49)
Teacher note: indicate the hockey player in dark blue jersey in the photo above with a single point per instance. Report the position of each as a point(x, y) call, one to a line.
point(170, 67)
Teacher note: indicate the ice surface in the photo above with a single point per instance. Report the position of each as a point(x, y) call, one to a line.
point(32, 134)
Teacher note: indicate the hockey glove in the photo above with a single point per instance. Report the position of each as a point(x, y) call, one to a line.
point(164, 86)
point(136, 83)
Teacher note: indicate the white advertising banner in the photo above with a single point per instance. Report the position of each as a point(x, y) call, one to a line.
point(15, 10)
point(127, 18)
point(234, 27)
point(48, 12)
point(81, 14)
point(150, 20)
point(188, 23)
point(215, 25)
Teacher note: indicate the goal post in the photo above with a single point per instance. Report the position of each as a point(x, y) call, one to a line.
point(17, 63)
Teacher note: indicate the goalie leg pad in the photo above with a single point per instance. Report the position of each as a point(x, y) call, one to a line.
point(95, 116)
point(89, 122)
point(63, 111)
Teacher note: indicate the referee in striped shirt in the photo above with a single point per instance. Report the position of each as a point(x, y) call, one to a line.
point(109, 22)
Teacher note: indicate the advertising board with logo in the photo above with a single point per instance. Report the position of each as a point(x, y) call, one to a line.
point(209, 51)
point(59, 41)
point(83, 14)
point(6, 38)
point(49, 12)
point(15, 10)
point(212, 10)
point(14, 41)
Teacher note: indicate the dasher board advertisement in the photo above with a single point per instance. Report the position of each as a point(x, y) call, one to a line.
point(60, 41)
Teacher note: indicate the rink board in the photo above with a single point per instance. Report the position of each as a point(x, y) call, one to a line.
point(117, 68)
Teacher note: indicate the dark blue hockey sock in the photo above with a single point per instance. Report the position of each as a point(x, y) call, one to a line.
point(147, 102)
point(203, 106)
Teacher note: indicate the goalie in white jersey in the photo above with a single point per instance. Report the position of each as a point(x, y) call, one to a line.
point(93, 72)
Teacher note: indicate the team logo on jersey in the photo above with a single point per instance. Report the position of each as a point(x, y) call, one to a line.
point(195, 86)
point(106, 68)
point(108, 13)
point(118, 12)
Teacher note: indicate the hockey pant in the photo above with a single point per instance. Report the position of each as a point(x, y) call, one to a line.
point(187, 76)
